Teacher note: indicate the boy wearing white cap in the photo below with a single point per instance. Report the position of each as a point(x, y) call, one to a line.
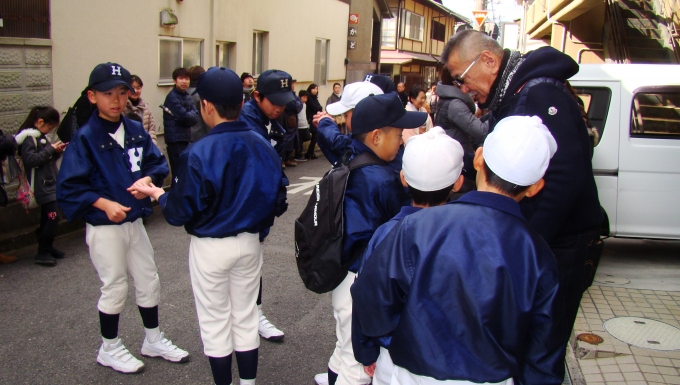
point(431, 170)
point(332, 142)
point(468, 290)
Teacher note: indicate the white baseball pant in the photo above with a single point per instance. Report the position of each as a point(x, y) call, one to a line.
point(383, 368)
point(225, 276)
point(401, 376)
point(350, 372)
point(115, 251)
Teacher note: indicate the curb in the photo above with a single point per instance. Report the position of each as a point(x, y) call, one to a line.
point(573, 369)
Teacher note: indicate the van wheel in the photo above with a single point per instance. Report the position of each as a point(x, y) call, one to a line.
point(604, 226)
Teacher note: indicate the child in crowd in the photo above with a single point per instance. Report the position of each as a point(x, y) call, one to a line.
point(105, 158)
point(40, 165)
point(333, 144)
point(373, 196)
point(274, 90)
point(303, 127)
point(179, 115)
point(468, 290)
point(224, 196)
point(138, 106)
point(431, 170)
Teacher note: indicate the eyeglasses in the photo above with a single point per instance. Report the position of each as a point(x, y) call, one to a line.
point(460, 80)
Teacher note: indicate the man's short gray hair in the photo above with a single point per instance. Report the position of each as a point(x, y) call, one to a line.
point(468, 44)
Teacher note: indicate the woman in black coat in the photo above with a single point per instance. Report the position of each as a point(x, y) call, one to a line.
point(313, 106)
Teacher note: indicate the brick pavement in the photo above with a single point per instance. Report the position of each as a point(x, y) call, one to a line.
point(614, 362)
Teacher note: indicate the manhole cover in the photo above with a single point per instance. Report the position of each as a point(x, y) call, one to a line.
point(590, 338)
point(610, 279)
point(644, 333)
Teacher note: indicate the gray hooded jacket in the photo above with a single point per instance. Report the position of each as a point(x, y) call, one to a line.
point(455, 113)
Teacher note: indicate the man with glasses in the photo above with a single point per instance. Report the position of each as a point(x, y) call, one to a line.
point(567, 212)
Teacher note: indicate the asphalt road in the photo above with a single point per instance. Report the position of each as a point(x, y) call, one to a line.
point(49, 328)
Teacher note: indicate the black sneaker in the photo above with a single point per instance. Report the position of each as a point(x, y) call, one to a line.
point(57, 254)
point(45, 259)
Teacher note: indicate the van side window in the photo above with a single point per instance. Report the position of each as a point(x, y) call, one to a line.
point(596, 102)
point(656, 113)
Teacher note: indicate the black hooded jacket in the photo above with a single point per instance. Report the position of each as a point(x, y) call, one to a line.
point(568, 204)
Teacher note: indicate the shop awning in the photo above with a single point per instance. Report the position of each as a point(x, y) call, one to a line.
point(402, 57)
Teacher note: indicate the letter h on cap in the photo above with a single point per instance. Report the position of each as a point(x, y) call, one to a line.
point(284, 83)
point(115, 70)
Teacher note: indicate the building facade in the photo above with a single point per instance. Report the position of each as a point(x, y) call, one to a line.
point(412, 41)
point(611, 31)
point(49, 47)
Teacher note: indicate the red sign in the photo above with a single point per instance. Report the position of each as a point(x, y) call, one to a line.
point(354, 18)
point(479, 17)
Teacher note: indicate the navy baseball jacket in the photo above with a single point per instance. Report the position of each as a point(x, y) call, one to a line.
point(332, 142)
point(269, 129)
point(184, 116)
point(367, 349)
point(374, 195)
point(468, 291)
point(95, 166)
point(229, 184)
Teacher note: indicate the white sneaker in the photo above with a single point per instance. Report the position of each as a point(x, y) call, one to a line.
point(268, 331)
point(321, 378)
point(164, 348)
point(119, 358)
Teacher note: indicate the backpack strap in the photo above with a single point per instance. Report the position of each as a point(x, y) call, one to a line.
point(364, 159)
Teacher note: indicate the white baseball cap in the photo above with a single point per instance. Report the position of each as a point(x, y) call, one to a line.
point(519, 149)
point(432, 161)
point(351, 96)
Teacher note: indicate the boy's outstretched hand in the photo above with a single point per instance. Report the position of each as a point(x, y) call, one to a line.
point(144, 188)
point(141, 183)
point(320, 115)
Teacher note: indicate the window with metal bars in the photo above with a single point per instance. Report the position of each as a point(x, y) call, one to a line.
point(25, 18)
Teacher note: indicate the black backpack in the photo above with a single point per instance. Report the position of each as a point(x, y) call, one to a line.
point(320, 228)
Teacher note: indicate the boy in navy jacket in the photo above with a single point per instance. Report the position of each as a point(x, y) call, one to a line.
point(274, 91)
point(374, 194)
point(105, 158)
point(468, 290)
point(226, 193)
point(431, 170)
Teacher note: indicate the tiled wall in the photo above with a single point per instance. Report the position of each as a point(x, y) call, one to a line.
point(25, 79)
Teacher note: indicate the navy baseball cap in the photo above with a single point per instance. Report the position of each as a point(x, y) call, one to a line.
point(109, 75)
point(220, 86)
point(378, 111)
point(275, 85)
point(385, 83)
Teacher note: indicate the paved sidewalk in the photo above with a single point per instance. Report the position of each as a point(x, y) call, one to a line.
point(613, 361)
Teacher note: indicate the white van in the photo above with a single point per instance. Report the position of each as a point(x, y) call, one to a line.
point(636, 109)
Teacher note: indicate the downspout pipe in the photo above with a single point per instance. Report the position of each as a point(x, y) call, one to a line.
point(399, 21)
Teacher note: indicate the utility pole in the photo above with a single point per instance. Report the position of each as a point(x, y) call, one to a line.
point(480, 6)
